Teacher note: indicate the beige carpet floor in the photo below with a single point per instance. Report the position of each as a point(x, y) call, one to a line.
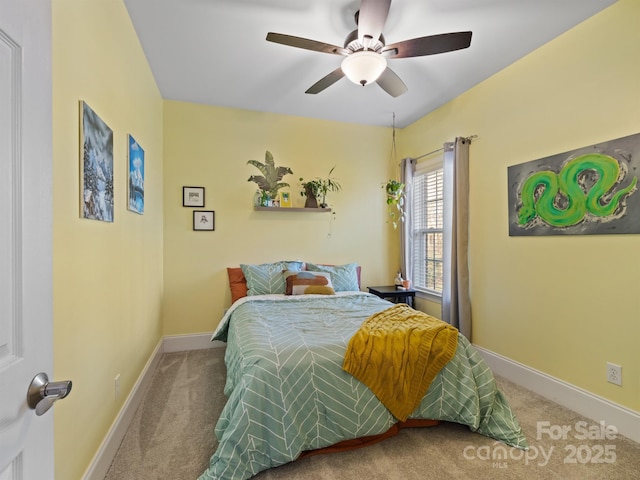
point(171, 438)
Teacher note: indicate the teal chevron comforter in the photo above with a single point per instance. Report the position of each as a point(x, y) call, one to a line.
point(287, 392)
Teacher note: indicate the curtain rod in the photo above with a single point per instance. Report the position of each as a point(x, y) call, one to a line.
point(470, 137)
point(429, 153)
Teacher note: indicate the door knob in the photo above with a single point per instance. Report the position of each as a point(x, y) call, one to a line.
point(42, 393)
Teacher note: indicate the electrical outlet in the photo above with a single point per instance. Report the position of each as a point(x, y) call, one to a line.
point(614, 373)
point(116, 383)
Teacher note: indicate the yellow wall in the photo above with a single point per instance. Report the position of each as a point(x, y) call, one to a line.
point(210, 146)
point(562, 305)
point(107, 276)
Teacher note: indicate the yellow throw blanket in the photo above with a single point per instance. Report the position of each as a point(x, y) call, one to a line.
point(397, 353)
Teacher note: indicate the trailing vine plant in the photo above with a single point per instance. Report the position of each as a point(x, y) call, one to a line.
point(395, 201)
point(394, 189)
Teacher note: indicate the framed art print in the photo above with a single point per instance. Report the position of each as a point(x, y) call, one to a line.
point(96, 166)
point(204, 220)
point(136, 177)
point(285, 199)
point(193, 196)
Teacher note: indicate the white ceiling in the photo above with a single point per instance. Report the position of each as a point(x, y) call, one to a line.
point(214, 51)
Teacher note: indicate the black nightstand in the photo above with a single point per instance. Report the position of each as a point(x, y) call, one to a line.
point(397, 295)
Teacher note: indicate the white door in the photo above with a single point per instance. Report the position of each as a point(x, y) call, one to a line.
point(26, 440)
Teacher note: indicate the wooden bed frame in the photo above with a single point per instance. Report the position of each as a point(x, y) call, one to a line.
point(346, 445)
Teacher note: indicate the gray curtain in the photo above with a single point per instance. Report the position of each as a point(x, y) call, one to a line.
point(456, 304)
point(407, 172)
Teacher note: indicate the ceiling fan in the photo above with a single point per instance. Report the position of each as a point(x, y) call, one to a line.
point(365, 52)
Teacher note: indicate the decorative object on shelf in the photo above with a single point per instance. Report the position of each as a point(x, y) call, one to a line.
point(285, 199)
point(136, 177)
point(310, 193)
point(257, 198)
point(204, 220)
point(395, 201)
point(262, 199)
point(193, 196)
point(317, 189)
point(96, 166)
point(269, 182)
point(292, 209)
point(398, 280)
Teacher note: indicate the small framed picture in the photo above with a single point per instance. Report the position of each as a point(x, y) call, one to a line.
point(204, 220)
point(193, 196)
point(285, 199)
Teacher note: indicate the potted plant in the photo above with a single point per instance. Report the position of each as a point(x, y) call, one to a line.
point(269, 182)
point(395, 201)
point(317, 189)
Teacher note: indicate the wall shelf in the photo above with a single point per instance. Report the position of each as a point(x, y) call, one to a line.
point(280, 209)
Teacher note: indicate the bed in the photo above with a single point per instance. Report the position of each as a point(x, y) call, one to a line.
point(288, 394)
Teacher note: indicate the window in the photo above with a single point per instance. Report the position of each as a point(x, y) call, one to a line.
point(427, 215)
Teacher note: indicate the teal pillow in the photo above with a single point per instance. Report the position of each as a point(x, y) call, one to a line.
point(343, 277)
point(267, 278)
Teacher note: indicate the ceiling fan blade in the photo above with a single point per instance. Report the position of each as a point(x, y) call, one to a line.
point(371, 19)
point(325, 82)
point(418, 47)
point(305, 43)
point(391, 83)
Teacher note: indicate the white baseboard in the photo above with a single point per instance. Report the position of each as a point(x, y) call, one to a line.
point(581, 401)
point(183, 343)
point(104, 456)
point(101, 462)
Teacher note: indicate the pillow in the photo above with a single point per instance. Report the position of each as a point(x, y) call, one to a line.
point(317, 289)
point(267, 278)
point(344, 277)
point(298, 283)
point(237, 283)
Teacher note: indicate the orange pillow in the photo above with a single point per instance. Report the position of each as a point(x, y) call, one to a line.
point(237, 283)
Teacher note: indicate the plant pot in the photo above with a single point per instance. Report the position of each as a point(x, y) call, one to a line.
point(311, 201)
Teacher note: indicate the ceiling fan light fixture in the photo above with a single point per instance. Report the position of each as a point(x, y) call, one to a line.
point(364, 67)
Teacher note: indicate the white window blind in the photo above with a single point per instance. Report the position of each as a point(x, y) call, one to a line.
point(427, 215)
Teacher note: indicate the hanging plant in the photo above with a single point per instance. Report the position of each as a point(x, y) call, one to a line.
point(393, 188)
point(395, 201)
point(269, 182)
point(317, 189)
